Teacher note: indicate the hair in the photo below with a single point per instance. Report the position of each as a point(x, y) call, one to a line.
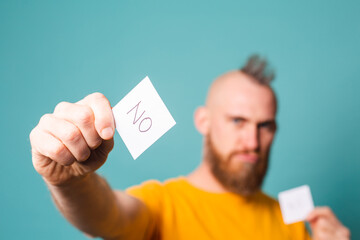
point(257, 68)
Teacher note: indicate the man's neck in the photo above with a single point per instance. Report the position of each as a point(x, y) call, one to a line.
point(203, 178)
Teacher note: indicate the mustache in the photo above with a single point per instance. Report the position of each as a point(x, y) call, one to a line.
point(246, 152)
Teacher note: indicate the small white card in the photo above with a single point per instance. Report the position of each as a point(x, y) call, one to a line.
point(141, 118)
point(296, 204)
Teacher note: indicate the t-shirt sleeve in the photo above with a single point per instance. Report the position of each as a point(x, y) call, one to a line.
point(151, 194)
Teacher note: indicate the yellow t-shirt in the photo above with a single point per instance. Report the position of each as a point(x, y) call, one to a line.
point(182, 211)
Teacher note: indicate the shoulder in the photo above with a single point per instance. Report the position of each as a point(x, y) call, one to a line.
point(149, 186)
point(153, 193)
point(154, 187)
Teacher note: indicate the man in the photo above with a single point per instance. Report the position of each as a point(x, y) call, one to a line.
point(221, 199)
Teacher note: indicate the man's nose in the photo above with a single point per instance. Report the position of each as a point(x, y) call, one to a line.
point(251, 138)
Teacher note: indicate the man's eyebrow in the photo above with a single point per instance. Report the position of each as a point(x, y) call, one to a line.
point(270, 121)
point(240, 117)
point(232, 116)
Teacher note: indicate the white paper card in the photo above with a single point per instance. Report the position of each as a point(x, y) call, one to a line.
point(141, 118)
point(296, 204)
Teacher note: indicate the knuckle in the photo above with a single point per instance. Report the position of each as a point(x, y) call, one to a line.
point(97, 95)
point(72, 134)
point(85, 116)
point(322, 235)
point(32, 134)
point(327, 210)
point(61, 106)
point(85, 154)
point(56, 151)
point(45, 118)
point(67, 161)
point(95, 143)
point(59, 154)
point(346, 231)
point(322, 222)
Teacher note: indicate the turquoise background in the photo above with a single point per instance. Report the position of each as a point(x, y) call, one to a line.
point(52, 51)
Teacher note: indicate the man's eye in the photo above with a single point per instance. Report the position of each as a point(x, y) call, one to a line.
point(237, 120)
point(268, 125)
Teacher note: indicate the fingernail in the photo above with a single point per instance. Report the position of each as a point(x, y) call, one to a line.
point(107, 133)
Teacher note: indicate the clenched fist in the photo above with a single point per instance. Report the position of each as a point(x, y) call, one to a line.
point(73, 141)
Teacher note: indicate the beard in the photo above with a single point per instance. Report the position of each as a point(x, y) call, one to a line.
point(244, 179)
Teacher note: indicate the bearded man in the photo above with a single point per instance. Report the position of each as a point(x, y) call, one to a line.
point(221, 199)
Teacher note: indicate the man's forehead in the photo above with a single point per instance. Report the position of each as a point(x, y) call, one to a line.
point(237, 94)
point(247, 109)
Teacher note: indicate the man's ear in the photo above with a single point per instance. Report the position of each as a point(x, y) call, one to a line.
point(201, 120)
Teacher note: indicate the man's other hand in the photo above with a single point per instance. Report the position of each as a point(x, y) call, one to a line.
point(325, 225)
point(74, 140)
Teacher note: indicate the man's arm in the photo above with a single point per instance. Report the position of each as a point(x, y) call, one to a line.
point(67, 147)
point(90, 204)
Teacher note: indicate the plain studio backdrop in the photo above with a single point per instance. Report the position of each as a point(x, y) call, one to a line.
point(52, 51)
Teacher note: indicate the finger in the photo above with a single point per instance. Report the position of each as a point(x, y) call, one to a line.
point(312, 217)
point(343, 233)
point(324, 222)
point(98, 157)
point(321, 212)
point(83, 117)
point(52, 149)
point(68, 134)
point(104, 120)
point(323, 230)
point(323, 235)
point(324, 225)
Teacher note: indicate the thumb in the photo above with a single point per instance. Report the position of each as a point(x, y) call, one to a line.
point(312, 216)
point(99, 155)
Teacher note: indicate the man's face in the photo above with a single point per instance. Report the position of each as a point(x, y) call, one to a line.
point(241, 130)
